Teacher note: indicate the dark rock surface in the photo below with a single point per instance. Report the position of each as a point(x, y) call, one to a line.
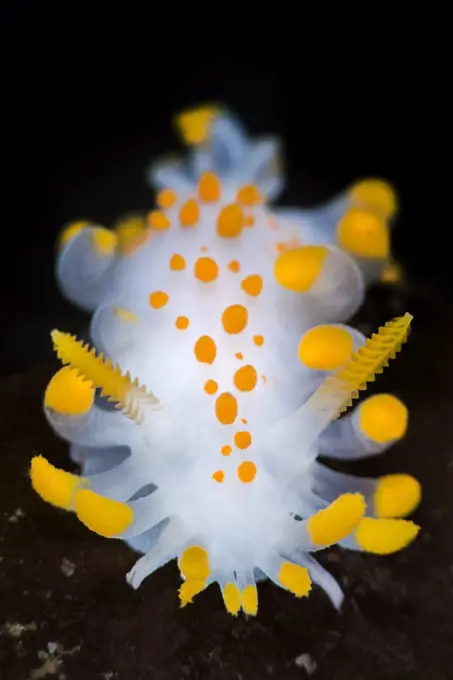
point(66, 611)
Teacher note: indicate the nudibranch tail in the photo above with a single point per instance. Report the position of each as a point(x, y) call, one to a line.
point(129, 394)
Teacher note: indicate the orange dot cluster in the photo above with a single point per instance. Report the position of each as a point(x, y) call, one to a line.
point(231, 220)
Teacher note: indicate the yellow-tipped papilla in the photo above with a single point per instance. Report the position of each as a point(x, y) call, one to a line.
point(325, 348)
point(232, 598)
point(194, 125)
point(385, 536)
point(70, 230)
point(376, 195)
point(195, 569)
point(69, 393)
point(55, 486)
point(338, 520)
point(298, 269)
point(396, 496)
point(104, 241)
point(295, 578)
point(249, 597)
point(383, 418)
point(104, 516)
point(364, 234)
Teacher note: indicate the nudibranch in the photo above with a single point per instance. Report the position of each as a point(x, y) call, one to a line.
point(219, 333)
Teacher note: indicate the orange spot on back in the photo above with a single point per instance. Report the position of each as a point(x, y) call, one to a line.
point(246, 471)
point(252, 285)
point(182, 322)
point(234, 266)
point(239, 355)
point(209, 187)
point(177, 263)
point(249, 220)
point(166, 198)
point(249, 195)
point(206, 269)
point(189, 213)
point(245, 378)
point(243, 420)
point(158, 299)
point(226, 408)
point(258, 340)
point(157, 220)
point(204, 249)
point(210, 387)
point(230, 221)
point(219, 476)
point(242, 439)
point(205, 349)
point(234, 318)
point(226, 450)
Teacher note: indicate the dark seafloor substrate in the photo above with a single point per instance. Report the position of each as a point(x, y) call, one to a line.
point(66, 611)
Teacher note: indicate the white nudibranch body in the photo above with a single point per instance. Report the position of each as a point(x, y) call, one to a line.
point(231, 316)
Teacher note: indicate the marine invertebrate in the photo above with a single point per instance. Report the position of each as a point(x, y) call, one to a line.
point(233, 315)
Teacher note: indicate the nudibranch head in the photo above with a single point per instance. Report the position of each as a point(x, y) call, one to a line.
point(234, 318)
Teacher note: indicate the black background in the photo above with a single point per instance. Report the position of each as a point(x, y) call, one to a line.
point(88, 91)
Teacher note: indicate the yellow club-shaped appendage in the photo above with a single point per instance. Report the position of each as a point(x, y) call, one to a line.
point(337, 521)
point(396, 496)
point(104, 516)
point(375, 195)
point(232, 598)
point(383, 418)
point(325, 348)
point(195, 569)
point(194, 125)
point(55, 486)
point(385, 536)
point(364, 234)
point(68, 392)
point(298, 269)
point(295, 578)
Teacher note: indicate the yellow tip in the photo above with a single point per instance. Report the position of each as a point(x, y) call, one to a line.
point(298, 269)
point(189, 589)
point(104, 240)
point(194, 125)
point(396, 496)
point(71, 230)
point(232, 598)
point(383, 418)
point(294, 578)
point(338, 520)
point(324, 348)
point(54, 486)
point(364, 234)
point(194, 563)
point(131, 233)
point(102, 515)
point(375, 195)
point(69, 393)
point(249, 598)
point(392, 273)
point(385, 536)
